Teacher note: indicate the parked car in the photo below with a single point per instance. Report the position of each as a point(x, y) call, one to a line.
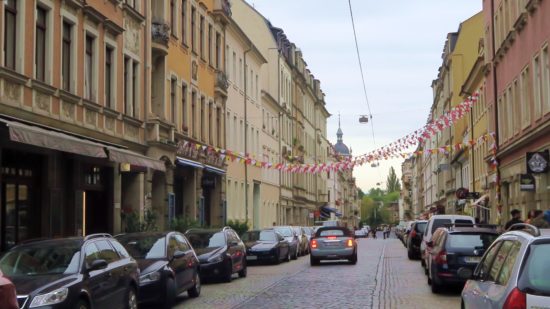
point(290, 236)
point(360, 233)
point(221, 253)
point(91, 272)
point(309, 232)
point(513, 273)
point(414, 238)
point(303, 246)
point(406, 232)
point(266, 245)
point(8, 296)
point(168, 266)
point(455, 250)
point(436, 222)
point(333, 243)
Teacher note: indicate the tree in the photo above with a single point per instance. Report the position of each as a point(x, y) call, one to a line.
point(360, 194)
point(392, 183)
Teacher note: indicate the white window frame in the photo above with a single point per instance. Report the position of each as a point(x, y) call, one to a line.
point(48, 58)
point(91, 31)
point(112, 44)
point(72, 19)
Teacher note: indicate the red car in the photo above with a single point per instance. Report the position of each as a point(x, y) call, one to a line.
point(8, 296)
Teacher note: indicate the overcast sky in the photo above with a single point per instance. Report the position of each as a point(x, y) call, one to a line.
point(400, 41)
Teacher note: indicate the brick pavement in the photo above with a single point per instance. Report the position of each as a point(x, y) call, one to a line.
point(382, 278)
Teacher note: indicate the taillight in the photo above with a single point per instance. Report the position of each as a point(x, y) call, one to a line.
point(314, 243)
point(350, 242)
point(516, 300)
point(331, 237)
point(413, 234)
point(441, 258)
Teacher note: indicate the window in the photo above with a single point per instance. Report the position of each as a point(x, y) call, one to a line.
point(218, 127)
point(240, 72)
point(545, 79)
point(106, 251)
point(10, 33)
point(193, 112)
point(202, 122)
point(234, 72)
point(184, 21)
point(88, 68)
point(135, 88)
point(525, 100)
point(210, 44)
point(109, 77)
point(91, 253)
point(218, 50)
point(193, 29)
point(508, 265)
point(126, 77)
point(40, 48)
point(201, 36)
point(537, 89)
point(210, 123)
point(173, 85)
point(534, 275)
point(499, 261)
point(184, 106)
point(173, 19)
point(66, 56)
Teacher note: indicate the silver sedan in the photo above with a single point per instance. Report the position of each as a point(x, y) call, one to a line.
point(333, 243)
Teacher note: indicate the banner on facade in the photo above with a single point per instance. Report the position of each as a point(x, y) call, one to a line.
point(527, 183)
point(537, 162)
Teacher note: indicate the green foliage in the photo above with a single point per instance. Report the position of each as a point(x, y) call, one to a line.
point(240, 227)
point(182, 224)
point(133, 224)
point(360, 194)
point(392, 183)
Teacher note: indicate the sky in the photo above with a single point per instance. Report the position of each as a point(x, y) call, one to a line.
point(400, 43)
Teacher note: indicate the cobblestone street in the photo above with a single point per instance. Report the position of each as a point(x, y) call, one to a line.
point(382, 278)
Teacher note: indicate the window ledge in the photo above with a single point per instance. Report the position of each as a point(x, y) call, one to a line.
point(13, 76)
point(91, 105)
point(67, 96)
point(43, 87)
point(133, 121)
point(133, 12)
point(111, 112)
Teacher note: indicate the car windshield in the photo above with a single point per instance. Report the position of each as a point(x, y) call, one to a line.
point(286, 232)
point(259, 235)
point(535, 276)
point(471, 241)
point(420, 227)
point(207, 240)
point(331, 233)
point(144, 246)
point(41, 260)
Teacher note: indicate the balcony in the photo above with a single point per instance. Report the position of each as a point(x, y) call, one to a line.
point(222, 10)
point(160, 35)
point(221, 84)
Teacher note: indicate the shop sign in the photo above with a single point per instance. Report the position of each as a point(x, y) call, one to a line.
point(527, 183)
point(537, 162)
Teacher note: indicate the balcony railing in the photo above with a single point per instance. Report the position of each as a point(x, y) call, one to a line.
point(223, 9)
point(221, 81)
point(160, 32)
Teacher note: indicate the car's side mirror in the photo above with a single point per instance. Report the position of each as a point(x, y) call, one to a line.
point(97, 265)
point(178, 255)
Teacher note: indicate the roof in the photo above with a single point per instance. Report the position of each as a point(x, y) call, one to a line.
point(457, 230)
point(452, 217)
point(341, 148)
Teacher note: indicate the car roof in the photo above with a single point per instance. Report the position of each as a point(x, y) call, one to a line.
point(469, 230)
point(452, 217)
point(78, 241)
point(146, 234)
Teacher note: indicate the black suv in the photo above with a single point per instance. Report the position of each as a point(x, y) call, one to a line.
point(221, 253)
point(414, 238)
point(91, 272)
point(455, 250)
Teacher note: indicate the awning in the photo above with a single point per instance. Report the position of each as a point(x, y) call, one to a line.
point(187, 162)
point(36, 136)
point(480, 201)
point(327, 210)
point(125, 156)
point(214, 170)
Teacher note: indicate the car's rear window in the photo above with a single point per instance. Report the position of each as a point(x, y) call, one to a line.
point(535, 277)
point(471, 241)
point(421, 227)
point(464, 222)
point(440, 223)
point(331, 233)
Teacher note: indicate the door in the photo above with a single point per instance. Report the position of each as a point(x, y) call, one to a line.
point(99, 281)
point(178, 265)
point(256, 205)
point(475, 295)
point(117, 282)
point(500, 273)
point(189, 259)
point(235, 250)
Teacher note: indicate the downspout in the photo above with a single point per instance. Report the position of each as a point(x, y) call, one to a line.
point(245, 136)
point(495, 93)
point(280, 133)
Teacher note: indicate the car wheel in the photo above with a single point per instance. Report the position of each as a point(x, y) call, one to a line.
point(228, 276)
point(313, 261)
point(195, 291)
point(353, 259)
point(82, 304)
point(410, 254)
point(277, 257)
point(170, 293)
point(295, 256)
point(436, 288)
point(243, 272)
point(131, 299)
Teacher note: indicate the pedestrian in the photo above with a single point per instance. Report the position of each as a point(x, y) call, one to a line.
point(516, 218)
point(532, 214)
point(541, 219)
point(386, 232)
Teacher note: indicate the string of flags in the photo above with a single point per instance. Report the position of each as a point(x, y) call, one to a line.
point(397, 149)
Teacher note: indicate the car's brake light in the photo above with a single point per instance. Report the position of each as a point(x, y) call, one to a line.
point(413, 234)
point(441, 258)
point(350, 242)
point(516, 300)
point(314, 243)
point(331, 237)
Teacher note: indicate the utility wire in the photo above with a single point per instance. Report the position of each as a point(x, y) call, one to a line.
point(361, 69)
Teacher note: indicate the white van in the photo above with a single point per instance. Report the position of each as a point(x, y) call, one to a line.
point(436, 222)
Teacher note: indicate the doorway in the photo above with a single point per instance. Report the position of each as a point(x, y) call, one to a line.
point(256, 204)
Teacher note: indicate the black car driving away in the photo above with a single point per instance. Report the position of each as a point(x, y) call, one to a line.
point(168, 265)
point(221, 253)
point(454, 251)
point(414, 238)
point(91, 272)
point(266, 245)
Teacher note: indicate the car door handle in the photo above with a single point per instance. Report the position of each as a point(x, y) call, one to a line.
point(109, 274)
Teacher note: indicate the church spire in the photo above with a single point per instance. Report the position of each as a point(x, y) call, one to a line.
point(339, 133)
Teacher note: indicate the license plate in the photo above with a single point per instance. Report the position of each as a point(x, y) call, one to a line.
point(332, 244)
point(251, 257)
point(472, 259)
